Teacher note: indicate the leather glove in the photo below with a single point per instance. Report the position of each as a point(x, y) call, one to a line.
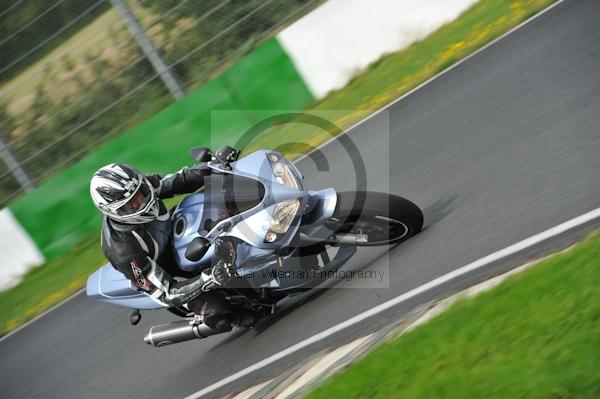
point(221, 274)
point(224, 271)
point(225, 250)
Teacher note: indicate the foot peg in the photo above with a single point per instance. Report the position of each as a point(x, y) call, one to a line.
point(135, 317)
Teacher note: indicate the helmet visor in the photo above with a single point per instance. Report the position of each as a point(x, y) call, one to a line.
point(139, 202)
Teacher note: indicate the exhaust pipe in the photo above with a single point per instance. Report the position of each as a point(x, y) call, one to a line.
point(177, 331)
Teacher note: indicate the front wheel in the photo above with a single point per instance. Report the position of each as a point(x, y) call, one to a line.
point(384, 219)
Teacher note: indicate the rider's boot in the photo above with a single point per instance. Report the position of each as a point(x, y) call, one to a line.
point(244, 318)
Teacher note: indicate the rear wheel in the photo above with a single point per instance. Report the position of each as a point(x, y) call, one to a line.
point(385, 219)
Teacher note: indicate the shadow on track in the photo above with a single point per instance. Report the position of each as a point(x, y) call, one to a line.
point(438, 211)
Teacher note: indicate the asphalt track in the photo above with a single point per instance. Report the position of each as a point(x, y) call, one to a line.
point(501, 147)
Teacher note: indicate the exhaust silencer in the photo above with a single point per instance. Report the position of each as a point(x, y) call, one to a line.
point(177, 331)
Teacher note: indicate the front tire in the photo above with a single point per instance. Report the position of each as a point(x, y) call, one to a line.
point(385, 219)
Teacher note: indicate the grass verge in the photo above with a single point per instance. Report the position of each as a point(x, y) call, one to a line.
point(45, 286)
point(535, 335)
point(385, 80)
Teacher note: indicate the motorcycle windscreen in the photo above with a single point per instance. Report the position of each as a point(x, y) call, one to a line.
point(227, 195)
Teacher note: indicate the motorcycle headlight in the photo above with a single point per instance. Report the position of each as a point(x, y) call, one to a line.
point(282, 218)
point(283, 173)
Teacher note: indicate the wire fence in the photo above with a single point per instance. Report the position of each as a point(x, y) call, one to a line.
point(67, 86)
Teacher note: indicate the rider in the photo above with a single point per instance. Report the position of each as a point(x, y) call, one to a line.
point(136, 236)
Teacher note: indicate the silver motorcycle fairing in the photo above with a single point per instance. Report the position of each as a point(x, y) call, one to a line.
point(187, 219)
point(111, 286)
point(256, 259)
point(249, 226)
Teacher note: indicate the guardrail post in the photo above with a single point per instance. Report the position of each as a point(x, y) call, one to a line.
point(149, 49)
point(15, 167)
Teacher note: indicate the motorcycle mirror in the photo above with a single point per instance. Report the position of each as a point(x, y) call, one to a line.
point(200, 154)
point(197, 249)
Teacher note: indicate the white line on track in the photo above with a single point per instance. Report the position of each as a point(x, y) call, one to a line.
point(478, 264)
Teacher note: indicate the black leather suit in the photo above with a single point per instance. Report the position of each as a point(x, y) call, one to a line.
point(142, 252)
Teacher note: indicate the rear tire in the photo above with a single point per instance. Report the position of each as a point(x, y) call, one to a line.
point(386, 219)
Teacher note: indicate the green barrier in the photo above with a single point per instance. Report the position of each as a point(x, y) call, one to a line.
point(59, 213)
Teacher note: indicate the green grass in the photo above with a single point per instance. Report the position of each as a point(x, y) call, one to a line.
point(47, 285)
point(381, 83)
point(537, 335)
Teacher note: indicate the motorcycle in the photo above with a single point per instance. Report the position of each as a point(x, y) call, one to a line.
point(285, 239)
